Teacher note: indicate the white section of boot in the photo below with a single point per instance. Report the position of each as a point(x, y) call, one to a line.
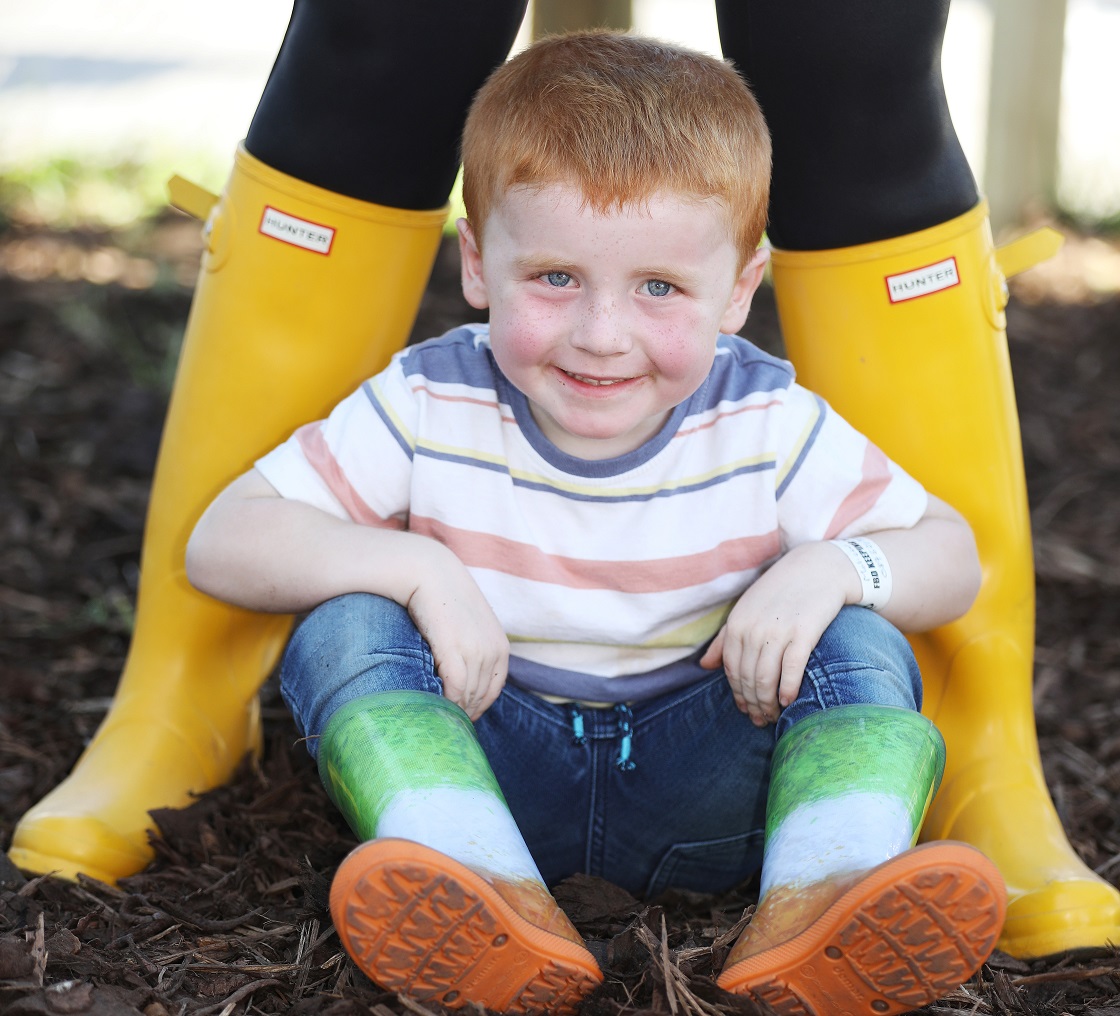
point(843, 834)
point(472, 826)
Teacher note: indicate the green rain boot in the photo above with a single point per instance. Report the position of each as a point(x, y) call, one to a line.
point(852, 918)
point(443, 900)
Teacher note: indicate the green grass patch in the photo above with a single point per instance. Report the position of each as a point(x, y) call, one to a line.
point(67, 193)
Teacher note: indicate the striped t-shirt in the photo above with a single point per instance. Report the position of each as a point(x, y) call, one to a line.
point(609, 577)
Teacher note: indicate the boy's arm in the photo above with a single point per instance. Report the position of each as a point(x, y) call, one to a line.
point(765, 644)
point(256, 549)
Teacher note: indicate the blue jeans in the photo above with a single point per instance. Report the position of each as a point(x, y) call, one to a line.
point(668, 792)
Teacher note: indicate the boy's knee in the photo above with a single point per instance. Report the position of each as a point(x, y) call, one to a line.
point(361, 641)
point(351, 646)
point(351, 624)
point(866, 659)
point(861, 632)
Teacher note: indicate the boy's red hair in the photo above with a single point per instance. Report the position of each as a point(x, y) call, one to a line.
point(621, 118)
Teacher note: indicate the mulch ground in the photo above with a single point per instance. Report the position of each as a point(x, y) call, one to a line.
point(231, 917)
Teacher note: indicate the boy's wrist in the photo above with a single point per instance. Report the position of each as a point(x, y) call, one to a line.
point(398, 563)
point(820, 564)
point(425, 562)
point(871, 568)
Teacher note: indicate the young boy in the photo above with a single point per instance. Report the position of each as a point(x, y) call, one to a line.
point(600, 588)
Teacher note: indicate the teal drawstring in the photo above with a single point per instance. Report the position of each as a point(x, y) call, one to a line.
point(578, 736)
point(626, 728)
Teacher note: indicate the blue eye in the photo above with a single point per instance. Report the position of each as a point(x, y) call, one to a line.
point(558, 279)
point(655, 287)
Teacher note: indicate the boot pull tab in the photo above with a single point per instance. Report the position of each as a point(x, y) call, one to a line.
point(204, 205)
point(189, 197)
point(1027, 251)
point(1017, 256)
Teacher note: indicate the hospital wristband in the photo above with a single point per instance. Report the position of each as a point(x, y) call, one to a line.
point(871, 565)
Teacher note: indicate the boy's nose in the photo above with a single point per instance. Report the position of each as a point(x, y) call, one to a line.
point(603, 331)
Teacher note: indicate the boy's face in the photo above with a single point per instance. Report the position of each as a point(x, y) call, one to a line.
point(605, 321)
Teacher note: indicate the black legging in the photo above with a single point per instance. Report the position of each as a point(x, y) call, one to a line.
point(368, 99)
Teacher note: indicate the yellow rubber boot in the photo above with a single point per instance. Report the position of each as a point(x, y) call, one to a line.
point(302, 294)
point(905, 338)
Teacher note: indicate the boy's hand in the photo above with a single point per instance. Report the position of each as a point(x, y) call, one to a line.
point(470, 649)
point(256, 549)
point(773, 628)
point(765, 644)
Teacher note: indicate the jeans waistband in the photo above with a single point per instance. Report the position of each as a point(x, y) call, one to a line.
point(571, 684)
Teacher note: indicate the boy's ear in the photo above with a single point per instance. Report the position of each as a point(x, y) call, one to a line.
point(735, 316)
point(470, 267)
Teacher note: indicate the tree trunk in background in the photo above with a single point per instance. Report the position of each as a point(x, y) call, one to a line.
point(550, 16)
point(1021, 166)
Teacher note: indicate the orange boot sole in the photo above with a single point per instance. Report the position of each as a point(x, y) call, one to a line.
point(418, 921)
point(917, 927)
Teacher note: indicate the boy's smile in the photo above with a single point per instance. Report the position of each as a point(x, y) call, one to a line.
point(605, 321)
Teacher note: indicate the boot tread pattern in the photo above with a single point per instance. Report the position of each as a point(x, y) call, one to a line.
point(919, 940)
point(783, 1000)
point(415, 928)
point(906, 943)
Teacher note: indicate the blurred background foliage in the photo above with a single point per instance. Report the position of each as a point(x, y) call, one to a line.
point(101, 103)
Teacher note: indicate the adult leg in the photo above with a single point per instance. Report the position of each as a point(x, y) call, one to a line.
point(316, 256)
point(369, 99)
point(891, 299)
point(864, 148)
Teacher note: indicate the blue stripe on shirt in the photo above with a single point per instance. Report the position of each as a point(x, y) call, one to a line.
point(391, 427)
point(757, 372)
point(582, 495)
point(822, 409)
point(569, 684)
point(453, 358)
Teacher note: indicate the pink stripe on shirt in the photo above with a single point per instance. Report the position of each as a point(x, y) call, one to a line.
point(522, 560)
point(465, 399)
point(719, 417)
point(320, 457)
point(875, 478)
